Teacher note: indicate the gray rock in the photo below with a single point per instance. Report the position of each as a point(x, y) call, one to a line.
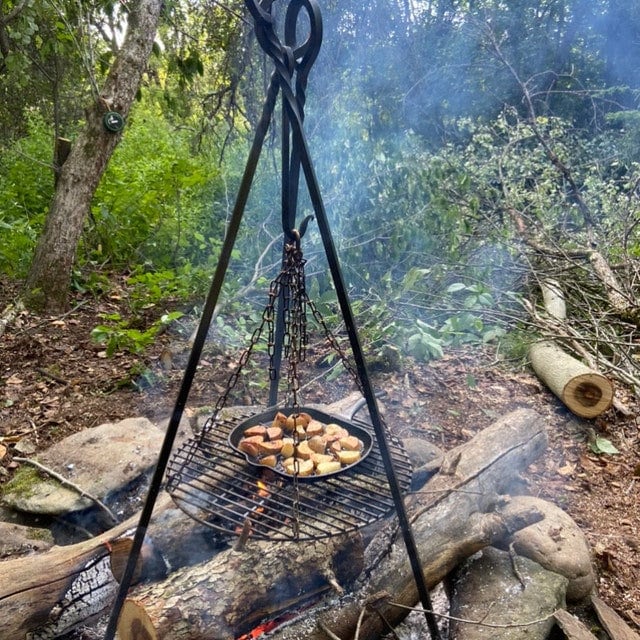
point(557, 543)
point(16, 539)
point(100, 461)
point(421, 451)
point(488, 590)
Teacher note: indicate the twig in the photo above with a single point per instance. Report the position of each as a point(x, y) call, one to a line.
point(53, 376)
point(328, 631)
point(48, 320)
point(244, 536)
point(513, 556)
point(478, 623)
point(62, 480)
point(359, 623)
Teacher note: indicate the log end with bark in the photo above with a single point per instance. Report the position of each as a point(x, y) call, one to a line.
point(584, 391)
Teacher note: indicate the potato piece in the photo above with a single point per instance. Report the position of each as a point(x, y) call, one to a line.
point(319, 458)
point(270, 448)
point(296, 420)
point(332, 429)
point(335, 447)
point(303, 450)
point(301, 432)
point(348, 457)
point(317, 444)
point(273, 433)
point(250, 445)
point(350, 443)
point(328, 467)
point(304, 419)
point(269, 461)
point(299, 467)
point(250, 448)
point(279, 420)
point(314, 428)
point(256, 430)
point(288, 448)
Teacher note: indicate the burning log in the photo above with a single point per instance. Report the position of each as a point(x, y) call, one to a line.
point(232, 593)
point(456, 514)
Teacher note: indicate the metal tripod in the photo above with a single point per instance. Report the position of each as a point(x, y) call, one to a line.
point(292, 63)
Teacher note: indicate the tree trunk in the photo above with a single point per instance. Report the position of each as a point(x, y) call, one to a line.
point(47, 284)
point(455, 515)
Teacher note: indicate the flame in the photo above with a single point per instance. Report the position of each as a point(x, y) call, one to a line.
point(262, 489)
point(263, 628)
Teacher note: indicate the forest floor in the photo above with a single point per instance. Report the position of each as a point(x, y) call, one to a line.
point(54, 381)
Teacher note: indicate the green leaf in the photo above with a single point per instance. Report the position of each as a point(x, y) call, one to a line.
point(602, 445)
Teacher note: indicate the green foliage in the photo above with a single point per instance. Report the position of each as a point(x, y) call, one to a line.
point(26, 185)
point(600, 445)
point(118, 335)
point(153, 205)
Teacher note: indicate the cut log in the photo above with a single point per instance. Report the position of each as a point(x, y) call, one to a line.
point(455, 515)
point(584, 391)
point(230, 594)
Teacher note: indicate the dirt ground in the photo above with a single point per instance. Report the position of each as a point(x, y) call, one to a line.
point(55, 381)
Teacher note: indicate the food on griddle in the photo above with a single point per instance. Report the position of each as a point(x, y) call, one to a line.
point(301, 445)
point(348, 457)
point(288, 448)
point(314, 428)
point(295, 466)
point(270, 447)
point(269, 461)
point(303, 451)
point(330, 466)
point(317, 444)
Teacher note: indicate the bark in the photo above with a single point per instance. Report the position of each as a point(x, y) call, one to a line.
point(614, 625)
point(454, 516)
point(47, 284)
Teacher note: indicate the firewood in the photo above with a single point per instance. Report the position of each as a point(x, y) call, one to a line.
point(35, 590)
point(614, 625)
point(584, 391)
point(234, 591)
point(454, 516)
point(572, 628)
